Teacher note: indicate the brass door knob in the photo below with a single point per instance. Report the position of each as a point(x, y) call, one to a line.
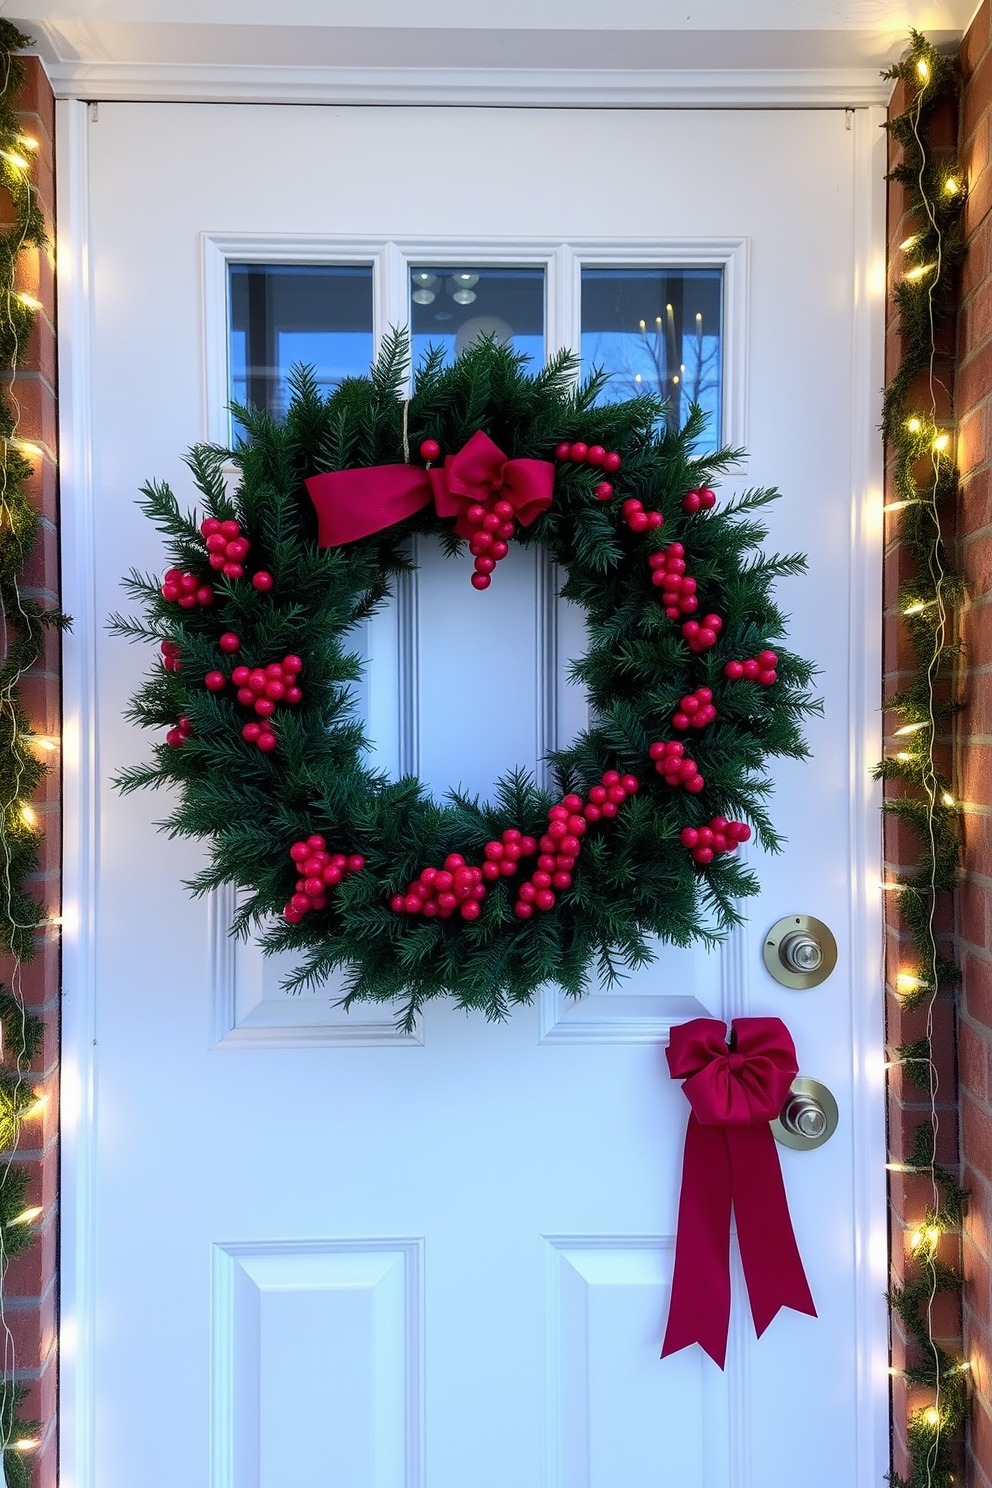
point(800, 951)
point(809, 1117)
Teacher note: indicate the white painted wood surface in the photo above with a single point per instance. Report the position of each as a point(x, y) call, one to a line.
point(461, 1241)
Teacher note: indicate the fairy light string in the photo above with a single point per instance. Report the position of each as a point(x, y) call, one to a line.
point(24, 750)
point(917, 425)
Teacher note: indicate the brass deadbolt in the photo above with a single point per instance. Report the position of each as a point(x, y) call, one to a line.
point(800, 951)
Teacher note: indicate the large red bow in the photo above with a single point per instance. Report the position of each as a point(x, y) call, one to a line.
point(355, 503)
point(730, 1162)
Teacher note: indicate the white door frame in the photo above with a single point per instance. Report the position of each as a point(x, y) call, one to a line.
point(82, 768)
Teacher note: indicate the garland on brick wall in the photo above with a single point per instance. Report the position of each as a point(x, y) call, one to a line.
point(924, 480)
point(22, 749)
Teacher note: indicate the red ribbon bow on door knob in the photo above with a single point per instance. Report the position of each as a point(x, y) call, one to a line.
point(731, 1162)
point(355, 503)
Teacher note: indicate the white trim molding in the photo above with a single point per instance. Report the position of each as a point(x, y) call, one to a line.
point(481, 87)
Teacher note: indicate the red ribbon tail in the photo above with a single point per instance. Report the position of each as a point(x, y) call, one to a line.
point(773, 1268)
point(355, 503)
point(700, 1307)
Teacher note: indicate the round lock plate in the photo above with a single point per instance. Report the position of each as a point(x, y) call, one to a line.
point(800, 951)
point(809, 1117)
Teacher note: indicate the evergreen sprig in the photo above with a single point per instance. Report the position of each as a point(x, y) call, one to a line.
point(924, 480)
point(633, 879)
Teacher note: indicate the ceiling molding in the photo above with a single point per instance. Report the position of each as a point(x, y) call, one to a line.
point(856, 87)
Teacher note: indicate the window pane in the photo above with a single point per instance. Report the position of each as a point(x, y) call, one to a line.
point(657, 331)
point(451, 308)
point(282, 314)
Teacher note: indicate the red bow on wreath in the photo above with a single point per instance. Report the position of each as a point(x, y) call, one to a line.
point(355, 503)
point(731, 1162)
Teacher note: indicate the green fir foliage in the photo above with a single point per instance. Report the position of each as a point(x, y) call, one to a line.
point(633, 878)
point(925, 482)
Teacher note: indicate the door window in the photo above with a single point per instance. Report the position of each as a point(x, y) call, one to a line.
point(452, 308)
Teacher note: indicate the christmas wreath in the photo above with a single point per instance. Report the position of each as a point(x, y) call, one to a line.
point(688, 683)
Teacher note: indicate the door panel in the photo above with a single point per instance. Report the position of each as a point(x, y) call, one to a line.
point(341, 1257)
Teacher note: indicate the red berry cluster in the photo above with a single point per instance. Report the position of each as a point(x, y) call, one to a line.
point(701, 500)
point(669, 575)
point(594, 455)
point(719, 837)
point(262, 688)
point(760, 668)
point(170, 656)
point(319, 871)
point(699, 635)
point(560, 845)
point(638, 520)
point(495, 523)
point(695, 710)
point(186, 589)
point(227, 549)
point(180, 733)
point(675, 766)
point(502, 857)
point(440, 891)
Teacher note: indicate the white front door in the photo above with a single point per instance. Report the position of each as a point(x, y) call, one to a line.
point(300, 1248)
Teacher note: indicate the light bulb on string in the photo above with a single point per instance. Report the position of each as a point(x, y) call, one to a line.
point(913, 274)
point(923, 69)
point(28, 816)
point(27, 1215)
point(27, 1444)
point(914, 425)
point(14, 159)
point(910, 728)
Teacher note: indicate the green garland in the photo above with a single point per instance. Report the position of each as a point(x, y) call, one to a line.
point(925, 480)
point(633, 877)
point(21, 771)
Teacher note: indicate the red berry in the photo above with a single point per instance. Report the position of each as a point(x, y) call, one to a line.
point(611, 461)
point(274, 689)
point(544, 899)
point(638, 521)
point(523, 911)
point(734, 670)
point(561, 880)
point(216, 543)
point(300, 902)
point(262, 581)
point(630, 507)
point(767, 678)
point(703, 854)
point(232, 571)
point(563, 450)
point(680, 720)
point(707, 498)
point(499, 549)
point(470, 910)
point(528, 892)
point(230, 528)
point(429, 449)
point(527, 847)
point(608, 808)
point(506, 530)
point(356, 863)
point(174, 737)
point(591, 812)
point(481, 581)
point(475, 514)
point(691, 501)
point(229, 642)
point(251, 732)
point(689, 836)
point(751, 670)
point(541, 879)
point(603, 491)
point(209, 526)
point(655, 520)
point(490, 870)
point(237, 550)
point(595, 454)
point(485, 565)
point(214, 681)
point(577, 453)
point(291, 665)
point(630, 783)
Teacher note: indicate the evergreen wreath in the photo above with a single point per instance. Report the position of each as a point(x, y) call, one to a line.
point(480, 901)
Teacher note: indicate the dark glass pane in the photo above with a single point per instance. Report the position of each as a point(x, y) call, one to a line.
point(450, 308)
point(282, 314)
point(657, 331)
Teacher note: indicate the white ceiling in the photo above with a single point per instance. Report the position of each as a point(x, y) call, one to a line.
point(97, 48)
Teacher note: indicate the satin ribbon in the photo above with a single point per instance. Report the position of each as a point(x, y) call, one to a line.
point(731, 1162)
point(355, 503)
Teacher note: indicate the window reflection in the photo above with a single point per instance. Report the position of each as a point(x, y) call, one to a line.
point(451, 308)
point(283, 314)
point(657, 331)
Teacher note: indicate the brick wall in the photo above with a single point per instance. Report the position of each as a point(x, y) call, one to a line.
point(30, 1296)
point(974, 756)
